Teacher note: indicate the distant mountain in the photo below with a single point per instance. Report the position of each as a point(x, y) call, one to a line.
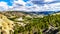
point(33, 12)
point(43, 12)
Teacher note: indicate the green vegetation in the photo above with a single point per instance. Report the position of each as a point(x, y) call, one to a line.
point(32, 25)
point(37, 25)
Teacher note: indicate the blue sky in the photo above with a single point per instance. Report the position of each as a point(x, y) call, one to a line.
point(9, 2)
point(30, 5)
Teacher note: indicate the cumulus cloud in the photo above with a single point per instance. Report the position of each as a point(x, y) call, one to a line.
point(3, 6)
point(55, 6)
point(49, 0)
point(36, 7)
point(50, 7)
point(19, 2)
point(32, 5)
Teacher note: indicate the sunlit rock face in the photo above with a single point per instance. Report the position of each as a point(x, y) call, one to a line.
point(6, 25)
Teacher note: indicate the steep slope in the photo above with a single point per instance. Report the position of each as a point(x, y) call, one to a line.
point(6, 25)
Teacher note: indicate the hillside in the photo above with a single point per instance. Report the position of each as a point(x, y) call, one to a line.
point(6, 25)
point(22, 23)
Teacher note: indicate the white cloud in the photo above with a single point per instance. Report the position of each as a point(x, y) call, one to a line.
point(3, 6)
point(24, 7)
point(50, 7)
point(55, 6)
point(20, 2)
point(49, 0)
point(33, 7)
point(46, 7)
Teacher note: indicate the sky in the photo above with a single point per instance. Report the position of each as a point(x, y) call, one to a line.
point(30, 5)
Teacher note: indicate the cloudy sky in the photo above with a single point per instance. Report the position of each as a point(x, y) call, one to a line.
point(30, 5)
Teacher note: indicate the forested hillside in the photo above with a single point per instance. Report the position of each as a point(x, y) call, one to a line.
point(32, 24)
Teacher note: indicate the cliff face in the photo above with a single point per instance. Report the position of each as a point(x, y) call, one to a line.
point(6, 25)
